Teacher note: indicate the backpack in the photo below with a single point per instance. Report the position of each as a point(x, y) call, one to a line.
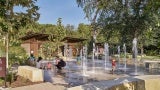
point(31, 58)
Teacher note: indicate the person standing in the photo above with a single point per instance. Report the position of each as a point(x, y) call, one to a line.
point(32, 60)
point(78, 59)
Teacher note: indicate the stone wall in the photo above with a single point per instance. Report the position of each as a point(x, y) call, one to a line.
point(146, 82)
point(31, 73)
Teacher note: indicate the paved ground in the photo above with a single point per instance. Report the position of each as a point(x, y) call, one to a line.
point(42, 86)
point(55, 81)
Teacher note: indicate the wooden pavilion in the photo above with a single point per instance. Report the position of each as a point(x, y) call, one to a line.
point(32, 43)
point(74, 43)
point(100, 47)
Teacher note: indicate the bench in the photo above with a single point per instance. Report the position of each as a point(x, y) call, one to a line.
point(31, 73)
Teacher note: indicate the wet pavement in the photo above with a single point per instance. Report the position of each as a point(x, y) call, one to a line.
point(74, 75)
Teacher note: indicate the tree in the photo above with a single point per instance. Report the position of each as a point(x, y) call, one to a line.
point(85, 31)
point(60, 33)
point(70, 31)
point(16, 19)
point(130, 17)
point(11, 21)
point(56, 34)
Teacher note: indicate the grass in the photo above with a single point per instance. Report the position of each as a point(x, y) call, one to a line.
point(144, 57)
point(151, 57)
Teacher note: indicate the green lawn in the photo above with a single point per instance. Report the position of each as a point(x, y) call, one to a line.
point(151, 57)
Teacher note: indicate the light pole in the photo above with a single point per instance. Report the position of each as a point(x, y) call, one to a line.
point(7, 51)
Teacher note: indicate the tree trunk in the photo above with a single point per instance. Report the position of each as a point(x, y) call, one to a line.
point(58, 48)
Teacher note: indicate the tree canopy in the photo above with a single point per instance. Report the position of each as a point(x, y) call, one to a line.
point(133, 15)
point(11, 21)
point(125, 18)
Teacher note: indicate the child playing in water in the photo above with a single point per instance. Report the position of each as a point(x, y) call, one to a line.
point(49, 66)
point(113, 65)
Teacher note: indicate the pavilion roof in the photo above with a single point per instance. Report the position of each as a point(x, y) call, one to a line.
point(37, 36)
point(72, 40)
point(44, 37)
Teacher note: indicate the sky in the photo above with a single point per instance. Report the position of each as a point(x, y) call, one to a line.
point(68, 10)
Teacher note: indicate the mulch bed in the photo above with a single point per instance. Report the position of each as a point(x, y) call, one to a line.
point(20, 81)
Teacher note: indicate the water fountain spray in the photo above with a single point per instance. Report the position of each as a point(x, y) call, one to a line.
point(84, 63)
point(118, 49)
point(81, 56)
point(94, 50)
point(97, 52)
point(135, 52)
point(125, 62)
point(106, 53)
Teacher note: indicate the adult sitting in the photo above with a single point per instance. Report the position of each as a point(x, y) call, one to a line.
point(60, 63)
point(38, 63)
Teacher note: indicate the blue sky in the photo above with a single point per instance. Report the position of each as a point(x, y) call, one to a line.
point(68, 10)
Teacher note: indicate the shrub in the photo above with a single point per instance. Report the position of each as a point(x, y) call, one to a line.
point(17, 55)
point(1, 81)
point(151, 52)
point(11, 77)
